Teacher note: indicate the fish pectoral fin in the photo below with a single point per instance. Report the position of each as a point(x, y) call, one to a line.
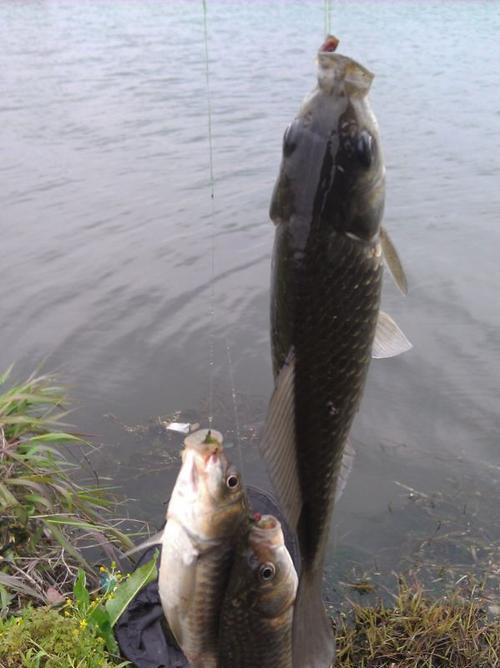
point(149, 542)
point(389, 339)
point(393, 262)
point(345, 469)
point(278, 446)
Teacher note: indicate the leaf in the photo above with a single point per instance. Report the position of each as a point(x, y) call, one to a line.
point(15, 583)
point(5, 598)
point(5, 375)
point(54, 597)
point(126, 591)
point(100, 620)
point(103, 528)
point(7, 499)
point(121, 537)
point(26, 482)
point(40, 453)
point(40, 501)
point(54, 437)
point(74, 523)
point(21, 419)
point(63, 542)
point(80, 592)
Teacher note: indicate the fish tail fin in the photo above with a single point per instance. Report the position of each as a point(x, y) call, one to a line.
point(313, 636)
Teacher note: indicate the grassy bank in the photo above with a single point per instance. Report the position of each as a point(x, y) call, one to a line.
point(50, 519)
point(419, 633)
point(56, 607)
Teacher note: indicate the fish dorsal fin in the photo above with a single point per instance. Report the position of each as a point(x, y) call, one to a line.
point(389, 339)
point(278, 446)
point(149, 542)
point(393, 262)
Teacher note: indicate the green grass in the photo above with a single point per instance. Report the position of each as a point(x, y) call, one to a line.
point(79, 633)
point(419, 633)
point(46, 638)
point(48, 519)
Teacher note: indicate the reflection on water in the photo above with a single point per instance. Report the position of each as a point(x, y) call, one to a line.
point(106, 229)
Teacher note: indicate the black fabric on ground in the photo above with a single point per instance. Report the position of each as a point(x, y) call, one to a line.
point(141, 631)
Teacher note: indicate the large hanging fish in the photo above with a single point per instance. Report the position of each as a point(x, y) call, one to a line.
point(329, 248)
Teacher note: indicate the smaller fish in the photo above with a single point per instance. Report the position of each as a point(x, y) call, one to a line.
point(206, 513)
point(257, 616)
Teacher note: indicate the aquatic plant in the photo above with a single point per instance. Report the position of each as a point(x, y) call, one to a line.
point(419, 633)
point(48, 517)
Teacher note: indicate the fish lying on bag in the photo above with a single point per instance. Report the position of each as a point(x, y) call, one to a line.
point(256, 626)
point(206, 512)
point(328, 255)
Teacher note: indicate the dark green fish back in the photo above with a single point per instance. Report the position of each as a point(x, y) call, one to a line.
point(324, 306)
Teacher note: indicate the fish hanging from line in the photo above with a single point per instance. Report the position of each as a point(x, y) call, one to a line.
point(257, 615)
point(206, 514)
point(328, 255)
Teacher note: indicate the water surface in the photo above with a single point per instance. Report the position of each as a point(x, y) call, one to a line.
point(107, 225)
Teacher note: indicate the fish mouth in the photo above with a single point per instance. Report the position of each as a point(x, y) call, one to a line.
point(202, 458)
point(335, 70)
point(206, 445)
point(265, 522)
point(330, 44)
point(265, 532)
point(208, 469)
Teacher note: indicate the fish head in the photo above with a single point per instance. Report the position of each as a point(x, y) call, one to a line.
point(332, 171)
point(269, 569)
point(208, 495)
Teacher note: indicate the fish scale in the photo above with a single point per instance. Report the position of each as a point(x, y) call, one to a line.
point(254, 643)
point(334, 325)
point(202, 624)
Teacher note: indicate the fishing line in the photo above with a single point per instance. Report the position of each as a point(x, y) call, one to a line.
point(209, 103)
point(211, 354)
point(212, 269)
point(236, 418)
point(328, 17)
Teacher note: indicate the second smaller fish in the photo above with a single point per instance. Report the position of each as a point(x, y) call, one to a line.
point(257, 617)
point(206, 512)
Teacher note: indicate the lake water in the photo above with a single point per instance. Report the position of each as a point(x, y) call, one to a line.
point(107, 224)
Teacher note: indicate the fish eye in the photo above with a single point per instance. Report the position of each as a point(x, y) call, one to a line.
point(232, 481)
point(267, 572)
point(365, 148)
